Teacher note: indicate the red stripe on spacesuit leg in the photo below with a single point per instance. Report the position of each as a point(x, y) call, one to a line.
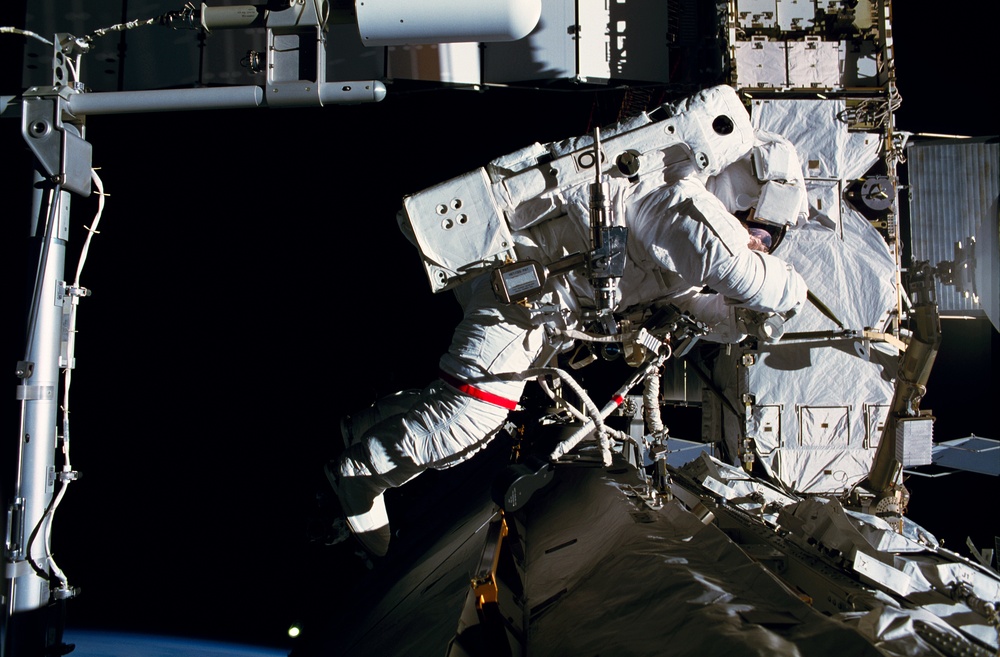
point(479, 394)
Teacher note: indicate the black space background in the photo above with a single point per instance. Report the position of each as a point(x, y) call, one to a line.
point(250, 286)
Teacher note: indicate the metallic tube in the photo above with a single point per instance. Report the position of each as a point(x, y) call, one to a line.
point(166, 100)
point(38, 392)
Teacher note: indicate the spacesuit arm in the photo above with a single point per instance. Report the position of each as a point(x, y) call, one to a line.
point(762, 282)
point(688, 231)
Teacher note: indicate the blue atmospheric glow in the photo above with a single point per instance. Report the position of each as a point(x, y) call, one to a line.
point(91, 643)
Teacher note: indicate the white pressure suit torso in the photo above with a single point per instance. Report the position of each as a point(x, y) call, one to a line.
point(681, 239)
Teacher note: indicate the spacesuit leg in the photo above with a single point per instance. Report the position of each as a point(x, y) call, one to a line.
point(354, 426)
point(448, 422)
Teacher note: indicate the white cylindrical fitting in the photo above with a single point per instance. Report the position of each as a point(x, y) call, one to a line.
point(230, 17)
point(402, 22)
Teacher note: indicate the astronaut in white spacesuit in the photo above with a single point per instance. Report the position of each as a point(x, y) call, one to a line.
point(682, 239)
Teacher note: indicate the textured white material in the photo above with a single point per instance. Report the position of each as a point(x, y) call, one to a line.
point(815, 64)
point(914, 439)
point(817, 406)
point(761, 64)
point(458, 228)
point(825, 146)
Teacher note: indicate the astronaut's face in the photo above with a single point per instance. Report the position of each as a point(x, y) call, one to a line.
point(755, 242)
point(758, 239)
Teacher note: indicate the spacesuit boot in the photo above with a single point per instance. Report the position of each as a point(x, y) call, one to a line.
point(363, 503)
point(361, 498)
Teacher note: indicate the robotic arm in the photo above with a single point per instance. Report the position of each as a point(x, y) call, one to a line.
point(906, 422)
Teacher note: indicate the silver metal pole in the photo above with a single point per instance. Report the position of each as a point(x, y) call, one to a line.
point(27, 568)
